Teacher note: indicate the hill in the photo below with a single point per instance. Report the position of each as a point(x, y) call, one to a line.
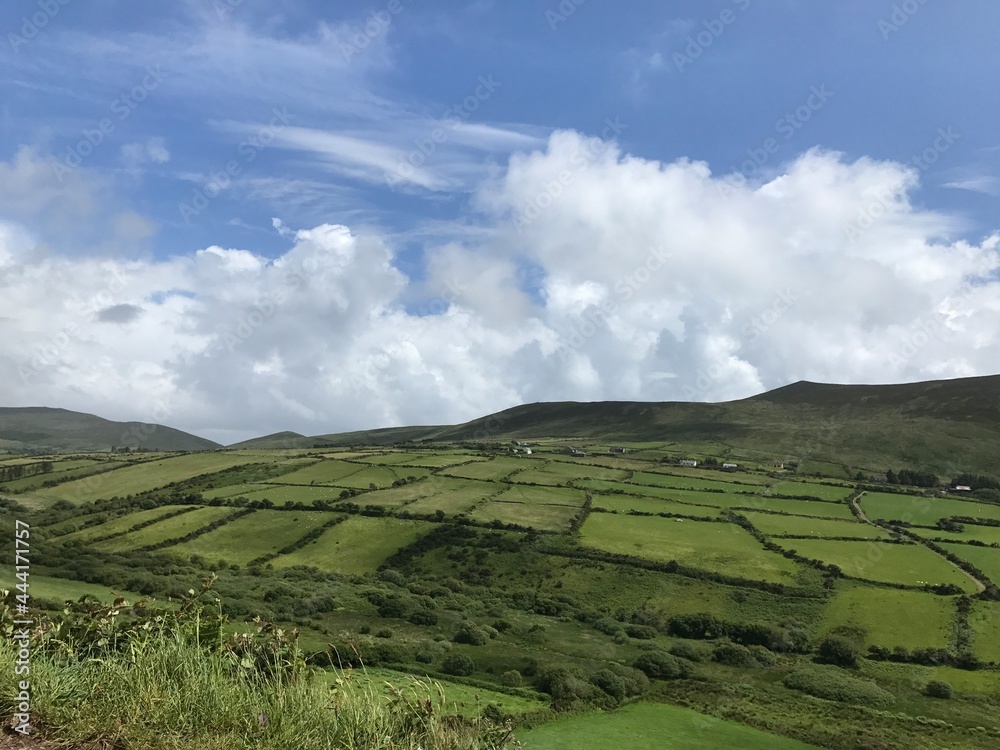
point(37, 429)
point(946, 426)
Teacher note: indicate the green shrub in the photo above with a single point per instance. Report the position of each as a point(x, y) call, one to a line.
point(511, 678)
point(658, 665)
point(609, 683)
point(471, 634)
point(423, 617)
point(764, 656)
point(834, 684)
point(735, 655)
point(458, 664)
point(840, 651)
point(641, 632)
point(690, 651)
point(384, 633)
point(939, 689)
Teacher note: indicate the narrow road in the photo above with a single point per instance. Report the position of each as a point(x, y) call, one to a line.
point(861, 514)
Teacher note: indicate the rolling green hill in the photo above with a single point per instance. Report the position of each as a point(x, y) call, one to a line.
point(37, 429)
point(946, 426)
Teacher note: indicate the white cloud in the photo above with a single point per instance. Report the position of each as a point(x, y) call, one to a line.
point(654, 281)
point(153, 150)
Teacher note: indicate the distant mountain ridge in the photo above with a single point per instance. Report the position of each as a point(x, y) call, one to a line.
point(39, 429)
point(945, 426)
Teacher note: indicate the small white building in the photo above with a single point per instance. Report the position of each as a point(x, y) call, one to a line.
point(729, 467)
point(687, 462)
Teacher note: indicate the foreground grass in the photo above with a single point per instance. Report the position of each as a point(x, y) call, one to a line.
point(168, 693)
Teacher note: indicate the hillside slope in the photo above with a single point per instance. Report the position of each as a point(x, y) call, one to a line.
point(37, 429)
point(945, 426)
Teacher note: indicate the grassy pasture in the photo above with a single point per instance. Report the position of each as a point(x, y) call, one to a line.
point(534, 515)
point(984, 558)
point(923, 510)
point(984, 619)
point(260, 533)
point(496, 468)
point(358, 545)
point(459, 699)
point(149, 475)
point(380, 476)
point(985, 534)
point(811, 466)
point(777, 525)
point(625, 503)
point(719, 547)
point(683, 483)
point(391, 459)
point(560, 472)
point(718, 475)
point(666, 493)
point(62, 590)
point(166, 529)
point(394, 497)
point(28, 484)
point(822, 491)
point(326, 471)
point(651, 726)
point(452, 496)
point(543, 495)
point(911, 564)
point(280, 494)
point(69, 525)
point(439, 460)
point(887, 616)
point(122, 523)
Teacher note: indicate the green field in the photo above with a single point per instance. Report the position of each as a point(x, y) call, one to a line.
point(358, 545)
point(459, 699)
point(263, 532)
point(544, 495)
point(437, 461)
point(911, 564)
point(777, 525)
point(497, 468)
point(326, 471)
point(533, 515)
point(381, 476)
point(822, 491)
point(625, 503)
point(985, 534)
point(923, 510)
point(719, 547)
point(651, 726)
point(887, 616)
point(280, 494)
point(70, 524)
point(657, 479)
point(133, 479)
point(61, 590)
point(986, 559)
point(561, 472)
point(451, 496)
point(122, 523)
point(985, 622)
point(169, 528)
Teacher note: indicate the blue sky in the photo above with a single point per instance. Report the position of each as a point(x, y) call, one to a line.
point(147, 133)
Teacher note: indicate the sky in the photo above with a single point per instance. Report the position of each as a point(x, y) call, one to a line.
point(238, 217)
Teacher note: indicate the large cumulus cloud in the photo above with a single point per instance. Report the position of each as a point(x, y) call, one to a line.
point(595, 275)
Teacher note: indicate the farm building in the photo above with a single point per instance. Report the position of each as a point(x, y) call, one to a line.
point(775, 464)
point(729, 467)
point(617, 449)
point(687, 462)
point(878, 478)
point(575, 452)
point(960, 488)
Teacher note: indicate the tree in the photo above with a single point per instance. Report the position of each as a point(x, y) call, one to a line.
point(837, 650)
point(939, 689)
point(459, 665)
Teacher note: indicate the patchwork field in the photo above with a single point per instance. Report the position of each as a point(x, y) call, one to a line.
point(684, 483)
point(122, 523)
point(984, 534)
point(535, 515)
point(380, 476)
point(496, 468)
point(651, 726)
point(451, 496)
point(626, 503)
point(986, 559)
point(358, 545)
point(910, 564)
point(984, 619)
point(778, 525)
point(822, 491)
point(719, 547)
point(326, 471)
point(136, 478)
point(260, 533)
point(169, 528)
point(923, 510)
point(886, 616)
point(562, 472)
